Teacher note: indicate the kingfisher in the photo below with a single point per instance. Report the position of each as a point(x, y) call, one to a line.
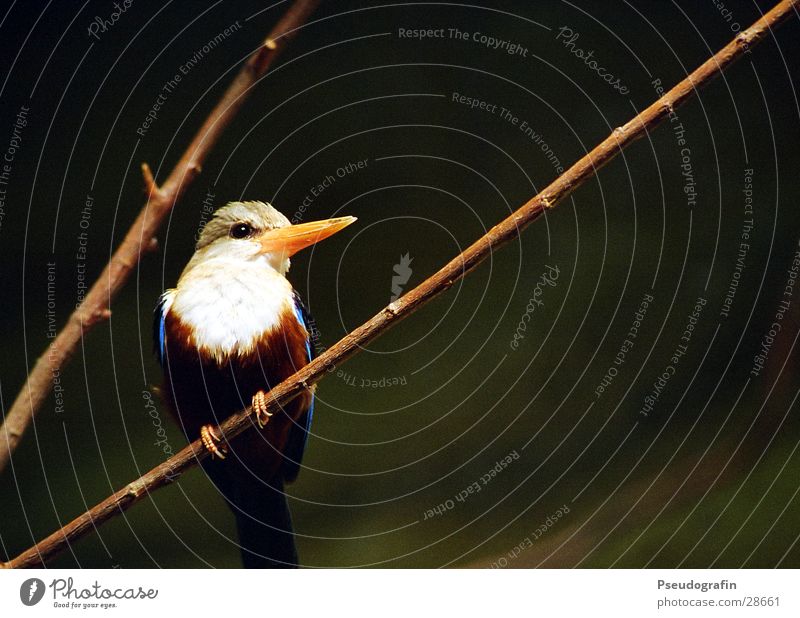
point(231, 329)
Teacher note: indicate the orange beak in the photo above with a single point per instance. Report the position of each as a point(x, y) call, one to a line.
point(291, 239)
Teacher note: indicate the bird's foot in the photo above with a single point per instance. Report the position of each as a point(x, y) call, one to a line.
point(260, 408)
point(211, 441)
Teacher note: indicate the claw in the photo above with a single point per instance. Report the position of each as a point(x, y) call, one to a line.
point(210, 440)
point(260, 408)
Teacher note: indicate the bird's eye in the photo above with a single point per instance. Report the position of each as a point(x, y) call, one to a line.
point(241, 230)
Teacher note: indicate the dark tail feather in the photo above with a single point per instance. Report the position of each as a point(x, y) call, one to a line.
point(265, 525)
point(262, 514)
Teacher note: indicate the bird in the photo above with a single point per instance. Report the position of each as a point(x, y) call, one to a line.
point(232, 328)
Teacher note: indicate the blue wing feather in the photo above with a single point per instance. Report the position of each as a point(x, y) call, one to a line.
point(298, 437)
point(159, 329)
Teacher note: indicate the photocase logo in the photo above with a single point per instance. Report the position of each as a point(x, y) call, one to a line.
point(31, 591)
point(402, 274)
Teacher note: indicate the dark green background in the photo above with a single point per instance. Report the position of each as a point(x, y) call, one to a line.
point(709, 478)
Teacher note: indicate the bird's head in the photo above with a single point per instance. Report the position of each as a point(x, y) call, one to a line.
point(255, 231)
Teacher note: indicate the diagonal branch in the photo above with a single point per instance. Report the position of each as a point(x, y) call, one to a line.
point(501, 234)
point(140, 238)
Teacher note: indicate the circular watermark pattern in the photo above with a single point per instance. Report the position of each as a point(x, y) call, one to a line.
point(613, 386)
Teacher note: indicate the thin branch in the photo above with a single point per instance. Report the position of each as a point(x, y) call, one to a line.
point(350, 345)
point(140, 238)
